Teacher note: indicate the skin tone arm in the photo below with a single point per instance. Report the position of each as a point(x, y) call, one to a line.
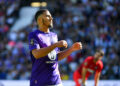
point(96, 78)
point(39, 53)
point(84, 70)
point(75, 46)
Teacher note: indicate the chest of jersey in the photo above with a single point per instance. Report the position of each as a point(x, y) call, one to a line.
point(92, 67)
point(47, 39)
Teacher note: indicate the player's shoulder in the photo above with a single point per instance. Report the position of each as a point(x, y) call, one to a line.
point(32, 33)
point(53, 33)
point(100, 63)
point(89, 57)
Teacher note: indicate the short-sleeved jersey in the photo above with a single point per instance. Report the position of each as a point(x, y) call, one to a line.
point(91, 66)
point(45, 69)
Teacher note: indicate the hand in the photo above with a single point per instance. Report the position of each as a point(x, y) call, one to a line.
point(77, 46)
point(83, 85)
point(61, 43)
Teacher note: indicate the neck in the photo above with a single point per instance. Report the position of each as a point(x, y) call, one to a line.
point(95, 60)
point(44, 29)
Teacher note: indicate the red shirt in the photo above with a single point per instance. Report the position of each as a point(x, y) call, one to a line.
point(91, 66)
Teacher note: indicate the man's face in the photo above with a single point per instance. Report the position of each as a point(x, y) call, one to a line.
point(97, 56)
point(47, 19)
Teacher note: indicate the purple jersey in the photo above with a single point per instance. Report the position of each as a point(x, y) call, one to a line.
point(44, 70)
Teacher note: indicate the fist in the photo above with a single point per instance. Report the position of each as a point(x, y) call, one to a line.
point(62, 43)
point(77, 46)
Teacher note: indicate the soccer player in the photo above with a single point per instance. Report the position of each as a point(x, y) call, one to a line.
point(92, 64)
point(45, 54)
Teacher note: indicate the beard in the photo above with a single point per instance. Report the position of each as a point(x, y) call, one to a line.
point(50, 26)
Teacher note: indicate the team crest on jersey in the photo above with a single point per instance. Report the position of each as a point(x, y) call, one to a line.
point(52, 55)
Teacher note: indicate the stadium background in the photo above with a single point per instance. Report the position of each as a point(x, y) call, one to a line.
point(96, 23)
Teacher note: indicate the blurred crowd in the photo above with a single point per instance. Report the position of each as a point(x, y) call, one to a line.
point(96, 23)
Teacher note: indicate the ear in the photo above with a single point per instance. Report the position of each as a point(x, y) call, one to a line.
point(39, 21)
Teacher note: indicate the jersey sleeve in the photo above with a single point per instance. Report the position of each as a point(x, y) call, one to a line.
point(86, 62)
point(100, 67)
point(57, 49)
point(33, 43)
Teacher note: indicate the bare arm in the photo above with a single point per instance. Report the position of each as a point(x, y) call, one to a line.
point(84, 71)
point(97, 76)
point(65, 53)
point(38, 53)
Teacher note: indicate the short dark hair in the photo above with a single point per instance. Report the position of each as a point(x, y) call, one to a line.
point(101, 52)
point(39, 13)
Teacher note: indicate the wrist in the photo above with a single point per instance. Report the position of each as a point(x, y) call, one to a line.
point(54, 45)
point(71, 49)
point(83, 85)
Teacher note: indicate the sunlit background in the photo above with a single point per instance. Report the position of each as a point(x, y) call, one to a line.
point(96, 23)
